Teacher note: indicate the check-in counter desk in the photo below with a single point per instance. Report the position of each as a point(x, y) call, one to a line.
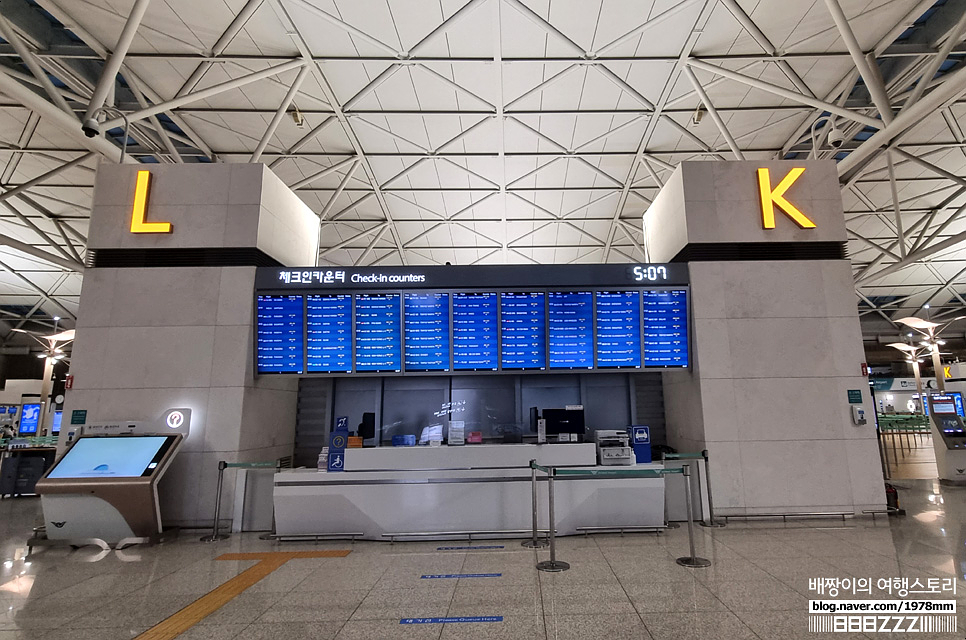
point(468, 489)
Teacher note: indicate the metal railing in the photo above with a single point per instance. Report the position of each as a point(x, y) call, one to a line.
point(554, 565)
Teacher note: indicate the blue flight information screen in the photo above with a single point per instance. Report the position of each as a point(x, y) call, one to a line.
point(570, 322)
point(666, 328)
point(618, 329)
point(378, 332)
point(280, 327)
point(475, 332)
point(426, 318)
point(523, 324)
point(328, 333)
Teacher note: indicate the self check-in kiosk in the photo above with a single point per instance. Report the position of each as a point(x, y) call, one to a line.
point(949, 438)
point(105, 486)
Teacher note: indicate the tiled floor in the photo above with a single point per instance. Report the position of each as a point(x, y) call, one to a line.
point(617, 587)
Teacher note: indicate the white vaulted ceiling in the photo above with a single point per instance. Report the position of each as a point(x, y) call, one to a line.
point(492, 131)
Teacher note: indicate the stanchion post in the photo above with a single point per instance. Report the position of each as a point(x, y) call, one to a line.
point(552, 565)
point(215, 536)
point(710, 522)
point(692, 560)
point(534, 542)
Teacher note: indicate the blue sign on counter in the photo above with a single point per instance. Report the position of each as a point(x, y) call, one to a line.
point(641, 441)
point(337, 461)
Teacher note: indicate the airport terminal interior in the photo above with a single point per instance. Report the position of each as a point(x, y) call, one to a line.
point(547, 319)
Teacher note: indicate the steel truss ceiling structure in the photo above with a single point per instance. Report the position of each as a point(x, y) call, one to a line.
point(488, 131)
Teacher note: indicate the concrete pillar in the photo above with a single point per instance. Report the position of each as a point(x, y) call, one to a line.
point(775, 338)
point(166, 319)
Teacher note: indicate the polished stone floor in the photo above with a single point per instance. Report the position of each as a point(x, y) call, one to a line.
point(910, 457)
point(618, 586)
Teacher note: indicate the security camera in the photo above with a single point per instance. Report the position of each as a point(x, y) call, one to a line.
point(91, 128)
point(836, 138)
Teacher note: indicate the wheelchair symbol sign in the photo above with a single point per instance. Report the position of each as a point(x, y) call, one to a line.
point(336, 462)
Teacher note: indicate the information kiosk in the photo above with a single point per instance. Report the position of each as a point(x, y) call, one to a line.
point(106, 487)
point(949, 439)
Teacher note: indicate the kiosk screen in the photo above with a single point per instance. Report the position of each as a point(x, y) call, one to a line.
point(113, 457)
point(943, 406)
point(29, 419)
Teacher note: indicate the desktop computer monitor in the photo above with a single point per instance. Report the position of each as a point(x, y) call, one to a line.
point(564, 421)
point(367, 428)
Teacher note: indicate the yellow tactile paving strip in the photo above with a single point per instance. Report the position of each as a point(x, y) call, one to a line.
point(219, 597)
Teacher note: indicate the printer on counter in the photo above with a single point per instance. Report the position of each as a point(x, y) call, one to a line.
point(613, 447)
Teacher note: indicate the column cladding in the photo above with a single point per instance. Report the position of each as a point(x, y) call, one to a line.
point(776, 341)
point(180, 331)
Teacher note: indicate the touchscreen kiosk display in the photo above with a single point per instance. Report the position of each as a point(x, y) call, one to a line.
point(30, 419)
point(944, 407)
point(113, 457)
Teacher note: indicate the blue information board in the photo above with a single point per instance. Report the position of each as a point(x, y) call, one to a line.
point(524, 330)
point(426, 318)
point(328, 333)
point(665, 328)
point(570, 327)
point(475, 332)
point(29, 419)
point(618, 328)
point(279, 327)
point(378, 332)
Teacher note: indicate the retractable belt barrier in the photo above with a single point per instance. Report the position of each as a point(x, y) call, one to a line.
point(222, 465)
point(554, 565)
point(709, 521)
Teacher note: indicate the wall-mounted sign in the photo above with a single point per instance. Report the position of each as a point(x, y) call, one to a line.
point(460, 276)
point(141, 193)
point(855, 396)
point(770, 198)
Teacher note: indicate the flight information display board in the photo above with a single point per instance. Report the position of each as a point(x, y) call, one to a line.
point(570, 327)
point(618, 329)
point(476, 337)
point(500, 318)
point(523, 330)
point(378, 333)
point(328, 333)
point(280, 334)
point(666, 328)
point(426, 317)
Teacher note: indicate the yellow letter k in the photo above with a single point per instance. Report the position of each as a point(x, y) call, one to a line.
point(770, 198)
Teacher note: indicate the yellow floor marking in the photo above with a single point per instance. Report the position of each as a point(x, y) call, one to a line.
point(220, 596)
